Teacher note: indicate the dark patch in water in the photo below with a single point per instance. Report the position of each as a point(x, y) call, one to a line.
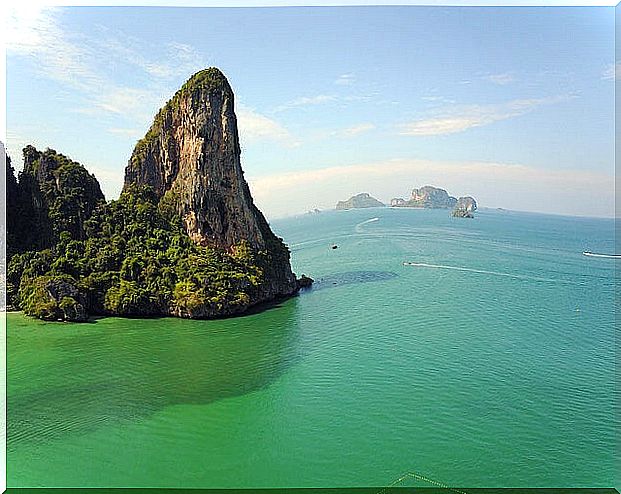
point(134, 368)
point(126, 372)
point(352, 277)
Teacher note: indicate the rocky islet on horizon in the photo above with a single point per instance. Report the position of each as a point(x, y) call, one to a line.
point(362, 200)
point(427, 197)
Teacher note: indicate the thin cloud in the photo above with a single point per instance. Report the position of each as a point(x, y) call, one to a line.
point(432, 98)
point(35, 33)
point(15, 143)
point(510, 186)
point(345, 80)
point(612, 72)
point(28, 26)
point(110, 179)
point(458, 119)
point(75, 61)
point(500, 79)
point(255, 126)
point(314, 100)
point(179, 59)
point(436, 100)
point(440, 126)
point(354, 130)
point(306, 101)
point(123, 100)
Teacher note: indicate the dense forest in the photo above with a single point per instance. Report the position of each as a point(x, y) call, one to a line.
point(71, 254)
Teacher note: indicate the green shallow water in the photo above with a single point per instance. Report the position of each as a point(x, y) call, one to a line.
point(491, 363)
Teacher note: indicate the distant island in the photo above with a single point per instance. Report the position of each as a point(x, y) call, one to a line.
point(429, 197)
point(363, 200)
point(184, 238)
point(426, 197)
point(465, 207)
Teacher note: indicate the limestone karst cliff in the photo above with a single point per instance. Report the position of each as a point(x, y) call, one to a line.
point(191, 158)
point(48, 208)
point(465, 207)
point(54, 194)
point(426, 197)
point(429, 197)
point(184, 238)
point(363, 200)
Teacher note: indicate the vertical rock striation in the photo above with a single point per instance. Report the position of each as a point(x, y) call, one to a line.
point(184, 238)
point(191, 158)
point(465, 207)
point(431, 197)
point(426, 197)
point(54, 195)
point(363, 200)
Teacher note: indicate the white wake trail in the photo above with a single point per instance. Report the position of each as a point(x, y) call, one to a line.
point(483, 271)
point(360, 225)
point(607, 256)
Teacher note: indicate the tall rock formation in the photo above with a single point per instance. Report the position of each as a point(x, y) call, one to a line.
point(191, 158)
point(50, 203)
point(184, 238)
point(55, 194)
point(426, 197)
point(12, 234)
point(431, 197)
point(191, 155)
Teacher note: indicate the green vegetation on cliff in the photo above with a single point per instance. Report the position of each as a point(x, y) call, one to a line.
point(176, 242)
point(207, 79)
point(135, 260)
point(54, 195)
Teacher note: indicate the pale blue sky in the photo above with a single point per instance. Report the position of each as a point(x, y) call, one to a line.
point(511, 105)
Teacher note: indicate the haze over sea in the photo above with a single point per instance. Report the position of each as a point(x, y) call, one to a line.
point(489, 362)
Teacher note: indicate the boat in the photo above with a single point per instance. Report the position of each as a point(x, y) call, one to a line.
point(609, 256)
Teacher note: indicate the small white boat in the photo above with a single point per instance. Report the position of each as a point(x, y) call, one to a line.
point(609, 256)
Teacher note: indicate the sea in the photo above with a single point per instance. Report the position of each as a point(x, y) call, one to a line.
point(430, 351)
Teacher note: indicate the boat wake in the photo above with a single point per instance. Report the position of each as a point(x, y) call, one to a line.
point(423, 478)
point(482, 271)
point(360, 225)
point(607, 256)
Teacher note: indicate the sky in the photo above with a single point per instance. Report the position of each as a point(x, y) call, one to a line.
point(512, 105)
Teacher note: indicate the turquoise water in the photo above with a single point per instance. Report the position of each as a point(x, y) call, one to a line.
point(488, 363)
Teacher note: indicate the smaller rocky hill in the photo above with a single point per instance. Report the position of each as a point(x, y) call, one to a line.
point(363, 200)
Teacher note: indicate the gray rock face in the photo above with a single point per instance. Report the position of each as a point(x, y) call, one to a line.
point(465, 207)
point(191, 158)
point(426, 197)
point(54, 194)
point(363, 200)
point(431, 197)
point(468, 203)
point(70, 301)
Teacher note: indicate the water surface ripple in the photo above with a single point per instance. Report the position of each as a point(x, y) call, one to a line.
point(489, 361)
